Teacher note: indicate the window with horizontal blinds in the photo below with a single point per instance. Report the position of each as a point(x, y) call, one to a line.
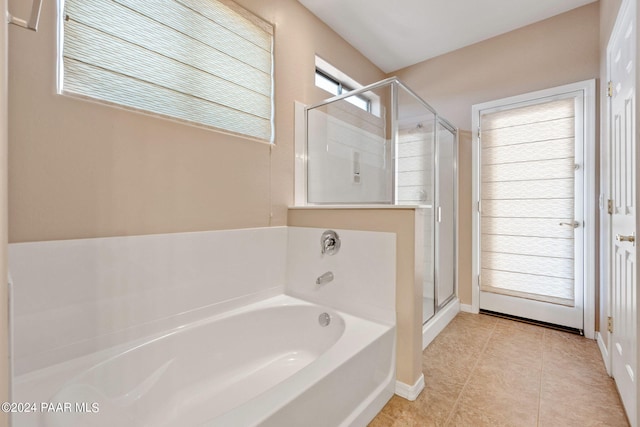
point(205, 62)
point(527, 192)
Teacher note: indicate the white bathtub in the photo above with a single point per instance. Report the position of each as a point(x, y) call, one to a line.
point(269, 363)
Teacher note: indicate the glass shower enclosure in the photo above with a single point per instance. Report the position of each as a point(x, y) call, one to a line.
point(383, 144)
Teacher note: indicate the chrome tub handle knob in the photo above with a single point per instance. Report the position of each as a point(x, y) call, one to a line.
point(329, 242)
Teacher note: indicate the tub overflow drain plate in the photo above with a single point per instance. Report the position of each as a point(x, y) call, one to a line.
point(324, 319)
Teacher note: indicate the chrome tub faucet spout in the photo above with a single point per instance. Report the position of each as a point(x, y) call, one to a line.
point(325, 278)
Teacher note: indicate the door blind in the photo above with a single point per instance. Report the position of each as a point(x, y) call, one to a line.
point(527, 192)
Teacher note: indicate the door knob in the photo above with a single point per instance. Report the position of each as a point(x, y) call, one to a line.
point(631, 238)
point(574, 224)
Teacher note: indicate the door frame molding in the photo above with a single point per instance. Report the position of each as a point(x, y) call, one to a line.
point(588, 87)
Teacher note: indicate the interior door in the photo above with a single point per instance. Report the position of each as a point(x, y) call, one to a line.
point(622, 66)
point(531, 227)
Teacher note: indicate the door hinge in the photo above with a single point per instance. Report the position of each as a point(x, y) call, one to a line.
point(479, 206)
point(478, 133)
point(610, 89)
point(610, 207)
point(610, 324)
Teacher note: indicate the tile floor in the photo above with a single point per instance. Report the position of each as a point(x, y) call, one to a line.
point(486, 371)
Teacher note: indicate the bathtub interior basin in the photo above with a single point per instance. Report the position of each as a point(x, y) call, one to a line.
point(275, 362)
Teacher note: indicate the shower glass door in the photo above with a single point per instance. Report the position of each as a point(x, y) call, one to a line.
point(415, 179)
point(445, 211)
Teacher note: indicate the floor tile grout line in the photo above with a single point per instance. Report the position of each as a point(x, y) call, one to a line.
point(473, 369)
point(544, 337)
point(553, 343)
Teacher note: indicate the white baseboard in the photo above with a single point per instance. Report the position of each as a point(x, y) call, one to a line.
point(604, 351)
point(410, 392)
point(467, 308)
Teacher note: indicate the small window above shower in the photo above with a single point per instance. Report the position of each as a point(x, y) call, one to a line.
point(334, 81)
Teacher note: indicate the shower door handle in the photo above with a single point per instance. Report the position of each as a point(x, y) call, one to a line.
point(439, 214)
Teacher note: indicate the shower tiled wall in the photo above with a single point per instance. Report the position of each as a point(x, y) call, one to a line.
point(415, 167)
point(349, 157)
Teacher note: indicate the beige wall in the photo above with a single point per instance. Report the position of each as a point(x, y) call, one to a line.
point(556, 51)
point(403, 222)
point(560, 50)
point(79, 169)
point(4, 315)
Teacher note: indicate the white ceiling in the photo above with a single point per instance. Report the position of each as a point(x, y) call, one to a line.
point(399, 33)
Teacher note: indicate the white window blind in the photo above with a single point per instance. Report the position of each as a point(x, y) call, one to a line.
point(206, 62)
point(527, 190)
